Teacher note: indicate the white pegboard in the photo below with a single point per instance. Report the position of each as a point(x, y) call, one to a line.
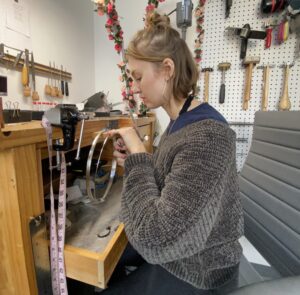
point(223, 46)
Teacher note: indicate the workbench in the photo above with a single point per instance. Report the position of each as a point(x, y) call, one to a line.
point(23, 148)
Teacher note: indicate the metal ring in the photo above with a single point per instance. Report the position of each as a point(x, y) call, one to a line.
point(88, 169)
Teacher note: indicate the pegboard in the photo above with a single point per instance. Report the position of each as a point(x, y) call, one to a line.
point(223, 46)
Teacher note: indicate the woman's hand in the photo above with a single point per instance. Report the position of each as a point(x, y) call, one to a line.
point(128, 143)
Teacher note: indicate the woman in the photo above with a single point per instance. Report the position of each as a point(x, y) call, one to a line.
point(180, 206)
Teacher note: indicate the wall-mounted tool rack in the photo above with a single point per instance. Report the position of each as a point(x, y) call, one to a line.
point(8, 60)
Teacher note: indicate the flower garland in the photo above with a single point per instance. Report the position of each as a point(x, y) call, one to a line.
point(115, 33)
point(152, 5)
point(199, 16)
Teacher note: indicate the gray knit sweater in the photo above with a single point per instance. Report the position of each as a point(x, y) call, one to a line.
point(181, 206)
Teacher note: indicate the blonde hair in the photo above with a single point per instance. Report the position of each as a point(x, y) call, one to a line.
point(157, 41)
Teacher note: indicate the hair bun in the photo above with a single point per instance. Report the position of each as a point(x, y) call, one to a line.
point(156, 21)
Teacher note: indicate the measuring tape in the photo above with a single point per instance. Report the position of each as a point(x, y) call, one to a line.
point(57, 234)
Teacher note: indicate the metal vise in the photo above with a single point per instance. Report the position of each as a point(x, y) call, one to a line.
point(66, 117)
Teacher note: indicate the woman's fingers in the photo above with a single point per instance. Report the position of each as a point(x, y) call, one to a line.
point(120, 157)
point(130, 139)
point(119, 145)
point(118, 154)
point(111, 132)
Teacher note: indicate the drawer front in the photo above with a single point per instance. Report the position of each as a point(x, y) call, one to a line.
point(95, 268)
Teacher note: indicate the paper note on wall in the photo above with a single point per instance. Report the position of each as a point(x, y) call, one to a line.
point(17, 16)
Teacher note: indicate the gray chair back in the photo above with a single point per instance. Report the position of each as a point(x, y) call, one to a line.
point(270, 190)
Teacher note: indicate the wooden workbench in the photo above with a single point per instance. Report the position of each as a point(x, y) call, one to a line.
point(22, 148)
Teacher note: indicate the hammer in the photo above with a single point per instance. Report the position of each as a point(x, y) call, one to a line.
point(266, 79)
point(206, 82)
point(250, 62)
point(224, 66)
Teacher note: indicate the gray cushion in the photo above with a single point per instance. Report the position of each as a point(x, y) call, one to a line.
point(270, 190)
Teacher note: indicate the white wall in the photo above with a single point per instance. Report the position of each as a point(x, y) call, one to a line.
point(70, 33)
point(61, 31)
point(106, 59)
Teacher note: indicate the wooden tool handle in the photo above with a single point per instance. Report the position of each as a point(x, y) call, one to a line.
point(245, 102)
point(24, 75)
point(248, 82)
point(206, 89)
point(266, 88)
point(35, 96)
point(284, 103)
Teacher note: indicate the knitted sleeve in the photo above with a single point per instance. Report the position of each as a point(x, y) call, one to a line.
point(175, 222)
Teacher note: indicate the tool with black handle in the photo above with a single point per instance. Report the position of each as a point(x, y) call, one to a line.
point(224, 66)
point(245, 33)
point(62, 83)
point(66, 87)
point(228, 7)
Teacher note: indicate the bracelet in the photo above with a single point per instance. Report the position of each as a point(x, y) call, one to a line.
point(112, 174)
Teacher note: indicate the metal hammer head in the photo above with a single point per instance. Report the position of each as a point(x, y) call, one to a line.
point(261, 67)
point(251, 60)
point(285, 65)
point(207, 70)
point(224, 66)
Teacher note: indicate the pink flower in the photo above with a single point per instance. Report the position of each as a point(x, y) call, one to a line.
point(161, 0)
point(110, 8)
point(198, 59)
point(100, 11)
point(108, 29)
point(110, 37)
point(109, 22)
point(124, 94)
point(197, 44)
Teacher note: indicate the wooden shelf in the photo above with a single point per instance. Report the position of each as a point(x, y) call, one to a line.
point(8, 60)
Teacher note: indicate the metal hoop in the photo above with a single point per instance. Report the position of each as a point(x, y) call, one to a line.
point(88, 169)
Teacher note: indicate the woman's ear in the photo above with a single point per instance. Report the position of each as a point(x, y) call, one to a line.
point(168, 68)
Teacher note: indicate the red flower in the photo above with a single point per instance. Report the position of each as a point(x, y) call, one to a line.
point(110, 37)
point(150, 7)
point(118, 47)
point(161, 0)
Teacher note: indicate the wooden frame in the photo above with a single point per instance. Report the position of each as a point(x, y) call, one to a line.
point(22, 148)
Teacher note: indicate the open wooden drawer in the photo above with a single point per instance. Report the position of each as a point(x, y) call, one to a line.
point(89, 258)
point(95, 268)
